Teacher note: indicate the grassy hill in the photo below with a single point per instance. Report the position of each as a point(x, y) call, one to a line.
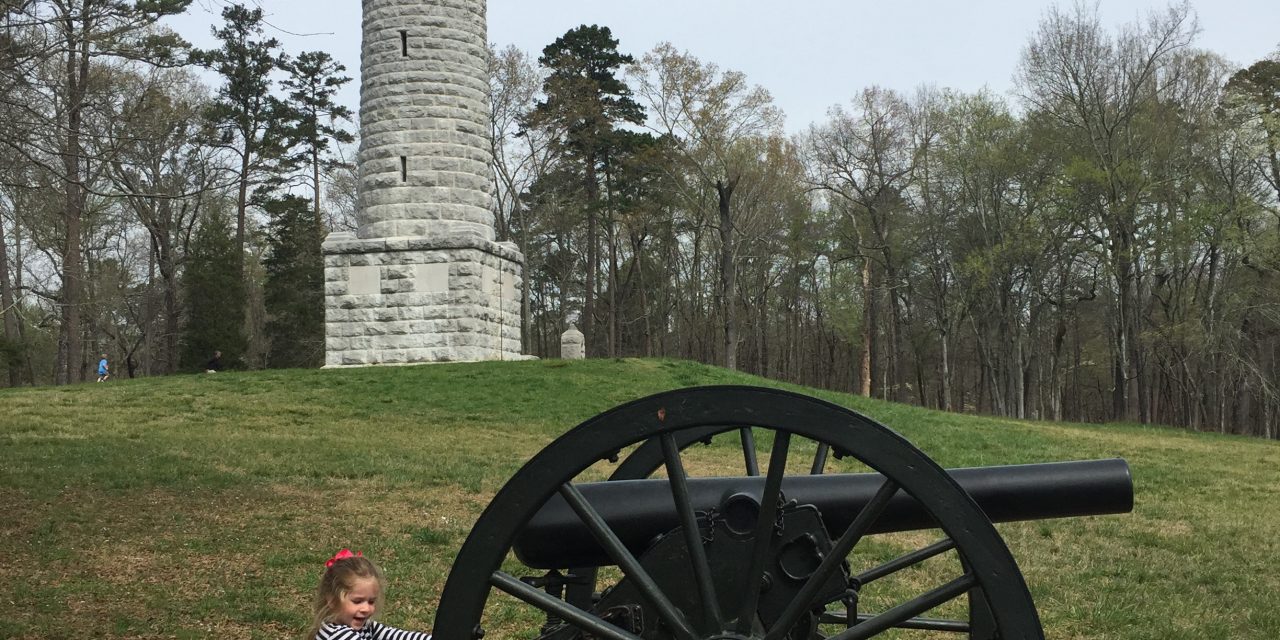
point(203, 506)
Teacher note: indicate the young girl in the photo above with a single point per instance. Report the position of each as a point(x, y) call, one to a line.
point(347, 599)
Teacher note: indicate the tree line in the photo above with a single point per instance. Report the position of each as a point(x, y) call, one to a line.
point(1102, 246)
point(149, 216)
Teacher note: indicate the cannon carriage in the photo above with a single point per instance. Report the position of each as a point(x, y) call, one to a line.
point(773, 551)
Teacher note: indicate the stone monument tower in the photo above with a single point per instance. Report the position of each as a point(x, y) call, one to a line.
point(422, 279)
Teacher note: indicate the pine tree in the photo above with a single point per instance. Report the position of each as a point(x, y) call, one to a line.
point(295, 284)
point(248, 120)
point(215, 296)
point(585, 103)
point(314, 118)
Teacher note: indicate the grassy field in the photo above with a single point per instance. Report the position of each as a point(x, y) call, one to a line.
point(204, 506)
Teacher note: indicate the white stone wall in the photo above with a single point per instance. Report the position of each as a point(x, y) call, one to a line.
point(408, 300)
point(422, 280)
point(425, 156)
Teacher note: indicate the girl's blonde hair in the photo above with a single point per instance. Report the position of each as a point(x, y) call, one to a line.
point(338, 580)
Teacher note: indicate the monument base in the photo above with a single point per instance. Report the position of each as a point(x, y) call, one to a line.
point(420, 299)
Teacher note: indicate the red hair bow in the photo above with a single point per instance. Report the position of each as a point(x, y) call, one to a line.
point(341, 555)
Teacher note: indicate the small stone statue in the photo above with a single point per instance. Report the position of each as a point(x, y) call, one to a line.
point(572, 344)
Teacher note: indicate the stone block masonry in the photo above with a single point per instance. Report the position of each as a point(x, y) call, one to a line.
point(410, 300)
point(422, 279)
point(425, 154)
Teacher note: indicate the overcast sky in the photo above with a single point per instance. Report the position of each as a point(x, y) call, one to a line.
point(810, 54)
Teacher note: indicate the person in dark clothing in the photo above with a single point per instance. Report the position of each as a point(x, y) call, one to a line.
point(214, 363)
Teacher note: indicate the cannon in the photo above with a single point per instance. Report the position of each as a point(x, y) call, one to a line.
point(626, 528)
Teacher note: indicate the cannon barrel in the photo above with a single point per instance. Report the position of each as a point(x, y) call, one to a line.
point(640, 510)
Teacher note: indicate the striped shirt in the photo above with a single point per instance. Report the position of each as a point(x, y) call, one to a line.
point(371, 631)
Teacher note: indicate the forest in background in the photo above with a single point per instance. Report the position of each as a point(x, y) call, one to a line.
point(1105, 246)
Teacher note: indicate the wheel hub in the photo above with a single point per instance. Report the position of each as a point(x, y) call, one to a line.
point(799, 542)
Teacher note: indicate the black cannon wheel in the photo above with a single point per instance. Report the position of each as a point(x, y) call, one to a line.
point(668, 422)
point(649, 457)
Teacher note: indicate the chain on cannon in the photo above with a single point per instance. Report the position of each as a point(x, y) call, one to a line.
point(658, 553)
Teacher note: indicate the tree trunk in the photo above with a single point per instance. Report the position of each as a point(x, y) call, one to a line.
point(8, 309)
point(868, 326)
point(1120, 357)
point(315, 180)
point(944, 340)
point(242, 204)
point(70, 357)
point(172, 308)
point(694, 308)
point(644, 308)
point(1124, 396)
point(593, 252)
point(897, 370)
point(613, 290)
point(763, 338)
point(525, 307)
point(728, 272)
point(1137, 356)
point(1057, 379)
point(28, 359)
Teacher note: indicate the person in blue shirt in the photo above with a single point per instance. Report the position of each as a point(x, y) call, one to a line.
point(104, 371)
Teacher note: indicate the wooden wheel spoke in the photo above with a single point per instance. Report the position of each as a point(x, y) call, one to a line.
point(907, 611)
point(626, 561)
point(820, 459)
point(905, 561)
point(692, 534)
point(749, 451)
point(559, 608)
point(922, 624)
point(764, 530)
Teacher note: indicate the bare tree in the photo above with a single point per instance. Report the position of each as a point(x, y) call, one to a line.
point(521, 156)
point(1098, 88)
point(712, 116)
point(865, 160)
point(158, 163)
point(78, 35)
